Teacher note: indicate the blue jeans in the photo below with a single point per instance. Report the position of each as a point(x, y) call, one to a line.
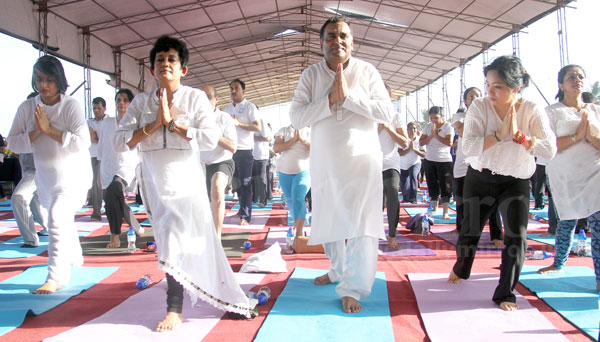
point(409, 183)
point(295, 188)
point(243, 171)
point(564, 239)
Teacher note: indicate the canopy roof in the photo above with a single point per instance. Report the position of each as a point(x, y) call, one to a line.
point(268, 43)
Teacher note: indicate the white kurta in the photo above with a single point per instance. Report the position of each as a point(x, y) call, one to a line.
point(187, 244)
point(114, 163)
point(574, 172)
point(63, 175)
point(345, 154)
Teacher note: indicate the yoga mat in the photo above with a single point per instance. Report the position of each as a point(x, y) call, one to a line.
point(137, 208)
point(9, 208)
point(97, 245)
point(17, 300)
point(307, 312)
point(257, 222)
point(135, 319)
point(290, 220)
point(407, 247)
point(572, 293)
point(278, 234)
point(145, 223)
point(5, 202)
point(552, 241)
point(233, 243)
point(11, 249)
point(465, 311)
point(485, 242)
point(437, 218)
point(255, 207)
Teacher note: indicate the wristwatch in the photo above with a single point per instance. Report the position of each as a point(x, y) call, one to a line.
point(172, 126)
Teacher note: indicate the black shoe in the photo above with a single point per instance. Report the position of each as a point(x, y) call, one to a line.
point(26, 245)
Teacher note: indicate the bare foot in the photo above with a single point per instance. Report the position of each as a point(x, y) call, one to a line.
point(508, 306)
point(48, 288)
point(115, 241)
point(446, 217)
point(243, 222)
point(549, 269)
point(322, 280)
point(498, 243)
point(392, 242)
point(350, 305)
point(170, 322)
point(261, 205)
point(453, 278)
point(546, 234)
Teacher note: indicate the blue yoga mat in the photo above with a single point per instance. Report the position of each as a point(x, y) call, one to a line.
point(137, 208)
point(11, 249)
point(572, 293)
point(437, 218)
point(9, 208)
point(17, 300)
point(552, 241)
point(543, 213)
point(145, 223)
point(307, 312)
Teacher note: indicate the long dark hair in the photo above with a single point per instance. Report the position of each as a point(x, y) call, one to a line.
point(510, 70)
point(52, 67)
point(561, 79)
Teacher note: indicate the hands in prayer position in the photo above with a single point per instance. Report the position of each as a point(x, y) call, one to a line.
point(339, 88)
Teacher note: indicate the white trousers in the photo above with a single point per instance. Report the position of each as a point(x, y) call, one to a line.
point(26, 208)
point(64, 248)
point(353, 265)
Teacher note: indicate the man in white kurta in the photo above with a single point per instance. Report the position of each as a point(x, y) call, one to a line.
point(342, 99)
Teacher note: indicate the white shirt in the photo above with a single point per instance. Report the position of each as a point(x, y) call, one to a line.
point(460, 166)
point(506, 157)
point(295, 159)
point(389, 147)
point(345, 154)
point(261, 148)
point(574, 172)
point(58, 166)
point(411, 158)
point(227, 128)
point(96, 126)
point(247, 113)
point(190, 107)
point(436, 150)
point(114, 163)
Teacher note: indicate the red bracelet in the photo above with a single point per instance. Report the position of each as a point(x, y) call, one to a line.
point(521, 139)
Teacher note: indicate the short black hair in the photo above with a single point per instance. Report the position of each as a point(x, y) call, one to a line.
point(510, 70)
point(126, 92)
point(238, 81)
point(332, 20)
point(51, 66)
point(466, 93)
point(435, 110)
point(166, 43)
point(99, 100)
point(562, 73)
point(32, 94)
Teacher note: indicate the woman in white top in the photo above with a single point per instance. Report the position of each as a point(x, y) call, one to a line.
point(574, 173)
point(410, 165)
point(437, 136)
point(292, 166)
point(502, 134)
point(52, 126)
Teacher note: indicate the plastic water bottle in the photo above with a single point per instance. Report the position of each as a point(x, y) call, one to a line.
point(535, 217)
point(425, 225)
point(263, 295)
point(247, 245)
point(430, 210)
point(581, 244)
point(144, 282)
point(425, 196)
point(538, 255)
point(289, 241)
point(131, 240)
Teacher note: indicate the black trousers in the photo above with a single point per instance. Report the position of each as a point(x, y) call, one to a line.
point(495, 221)
point(439, 180)
point(174, 295)
point(482, 191)
point(116, 208)
point(391, 181)
point(243, 172)
point(538, 182)
point(259, 181)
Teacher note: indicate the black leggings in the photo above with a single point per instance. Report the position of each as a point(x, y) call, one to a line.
point(391, 181)
point(495, 221)
point(116, 208)
point(174, 295)
point(439, 180)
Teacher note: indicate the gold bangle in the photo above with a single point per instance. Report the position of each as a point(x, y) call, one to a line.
point(144, 130)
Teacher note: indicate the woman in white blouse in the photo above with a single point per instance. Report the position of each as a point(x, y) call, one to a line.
point(574, 173)
point(502, 133)
point(293, 173)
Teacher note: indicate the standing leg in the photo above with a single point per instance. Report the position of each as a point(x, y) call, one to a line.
point(359, 274)
point(391, 178)
point(21, 199)
point(496, 227)
point(562, 248)
point(336, 253)
point(460, 182)
point(514, 204)
point(173, 317)
point(114, 211)
point(96, 190)
point(300, 185)
point(285, 181)
point(405, 185)
point(594, 225)
point(217, 203)
point(413, 172)
point(432, 182)
point(444, 173)
point(243, 166)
